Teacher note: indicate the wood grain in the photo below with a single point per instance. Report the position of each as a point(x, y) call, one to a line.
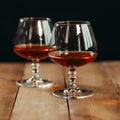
point(105, 104)
point(9, 73)
point(113, 71)
point(39, 104)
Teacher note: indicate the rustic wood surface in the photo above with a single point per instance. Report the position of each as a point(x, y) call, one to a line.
point(9, 72)
point(19, 103)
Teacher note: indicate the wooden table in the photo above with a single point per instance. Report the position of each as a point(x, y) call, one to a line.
point(18, 103)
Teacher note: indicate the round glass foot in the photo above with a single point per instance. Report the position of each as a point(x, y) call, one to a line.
point(73, 93)
point(34, 84)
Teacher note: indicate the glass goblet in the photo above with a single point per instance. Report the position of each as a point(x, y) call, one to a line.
point(73, 44)
point(31, 43)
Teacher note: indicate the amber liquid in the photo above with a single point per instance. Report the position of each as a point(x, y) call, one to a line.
point(35, 52)
point(72, 58)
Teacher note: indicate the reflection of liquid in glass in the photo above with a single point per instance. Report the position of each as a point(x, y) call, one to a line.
point(72, 58)
point(35, 52)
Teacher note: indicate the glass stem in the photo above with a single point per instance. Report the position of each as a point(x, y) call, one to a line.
point(72, 76)
point(35, 71)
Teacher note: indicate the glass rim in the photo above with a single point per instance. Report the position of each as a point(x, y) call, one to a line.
point(35, 18)
point(72, 22)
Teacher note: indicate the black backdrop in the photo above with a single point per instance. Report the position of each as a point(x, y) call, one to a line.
point(103, 15)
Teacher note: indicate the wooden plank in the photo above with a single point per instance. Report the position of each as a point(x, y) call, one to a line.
point(105, 104)
point(9, 73)
point(113, 71)
point(39, 104)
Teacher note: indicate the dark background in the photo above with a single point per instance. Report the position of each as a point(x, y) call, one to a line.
point(103, 15)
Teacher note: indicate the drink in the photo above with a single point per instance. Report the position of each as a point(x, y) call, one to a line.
point(31, 43)
point(33, 52)
point(73, 43)
point(72, 58)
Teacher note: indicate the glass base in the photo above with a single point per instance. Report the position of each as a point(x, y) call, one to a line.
point(77, 93)
point(34, 84)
